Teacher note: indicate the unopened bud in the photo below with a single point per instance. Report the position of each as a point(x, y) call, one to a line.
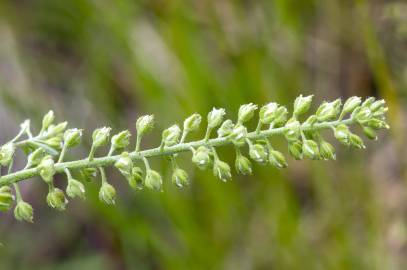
point(6, 154)
point(6, 198)
point(75, 189)
point(201, 157)
point(369, 101)
point(222, 170)
point(35, 157)
point(258, 153)
point(280, 116)
point(243, 165)
point(107, 194)
point(46, 169)
point(121, 140)
point(327, 151)
point(238, 135)
point(377, 105)
point(171, 135)
point(246, 112)
point(124, 164)
point(277, 159)
point(342, 133)
point(192, 123)
point(295, 149)
point(88, 174)
point(215, 117)
point(23, 211)
point(55, 142)
point(180, 178)
point(145, 124)
point(136, 178)
point(268, 113)
point(351, 104)
point(310, 149)
point(377, 124)
point(59, 128)
point(328, 110)
point(363, 115)
point(292, 132)
point(153, 180)
point(356, 141)
point(56, 199)
point(226, 128)
point(370, 133)
point(100, 136)
point(48, 119)
point(302, 104)
point(72, 137)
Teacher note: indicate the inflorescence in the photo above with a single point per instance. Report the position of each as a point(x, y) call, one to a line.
point(46, 151)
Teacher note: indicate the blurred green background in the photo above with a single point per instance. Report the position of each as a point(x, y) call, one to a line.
point(107, 62)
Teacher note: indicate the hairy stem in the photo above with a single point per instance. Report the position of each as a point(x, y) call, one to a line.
point(158, 151)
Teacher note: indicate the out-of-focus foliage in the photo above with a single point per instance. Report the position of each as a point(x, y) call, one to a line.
point(97, 62)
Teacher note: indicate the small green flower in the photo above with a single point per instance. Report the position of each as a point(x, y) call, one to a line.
point(295, 149)
point(121, 140)
point(238, 135)
point(136, 178)
point(293, 132)
point(75, 189)
point(246, 112)
point(180, 178)
point(258, 153)
point(107, 194)
point(56, 199)
point(342, 134)
point(328, 110)
point(327, 151)
point(101, 136)
point(268, 113)
point(124, 164)
point(280, 117)
point(35, 157)
point(277, 159)
point(23, 211)
point(351, 104)
point(46, 169)
point(243, 165)
point(6, 198)
point(310, 149)
point(370, 133)
point(201, 157)
point(192, 123)
point(153, 180)
point(225, 129)
point(145, 124)
point(222, 170)
point(6, 154)
point(302, 104)
point(72, 137)
point(215, 117)
point(356, 141)
point(171, 135)
point(48, 119)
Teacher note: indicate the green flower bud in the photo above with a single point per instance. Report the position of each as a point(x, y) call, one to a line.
point(277, 159)
point(55, 142)
point(280, 117)
point(302, 104)
point(180, 178)
point(192, 123)
point(268, 113)
point(342, 133)
point(226, 128)
point(107, 194)
point(88, 174)
point(6, 154)
point(56, 199)
point(48, 119)
point(377, 105)
point(328, 110)
point(293, 132)
point(377, 124)
point(35, 157)
point(145, 124)
point(124, 164)
point(222, 170)
point(59, 128)
point(312, 119)
point(100, 136)
point(356, 141)
point(215, 117)
point(327, 151)
point(258, 153)
point(23, 211)
point(369, 101)
point(379, 113)
point(310, 149)
point(75, 189)
point(246, 112)
point(121, 140)
point(153, 180)
point(243, 165)
point(201, 157)
point(363, 115)
point(370, 133)
point(351, 104)
point(6, 198)
point(72, 137)
point(238, 135)
point(171, 135)
point(295, 149)
point(46, 169)
point(136, 178)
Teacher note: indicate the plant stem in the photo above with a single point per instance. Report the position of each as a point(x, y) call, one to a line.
point(140, 155)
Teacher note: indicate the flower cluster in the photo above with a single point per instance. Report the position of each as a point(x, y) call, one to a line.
point(46, 151)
